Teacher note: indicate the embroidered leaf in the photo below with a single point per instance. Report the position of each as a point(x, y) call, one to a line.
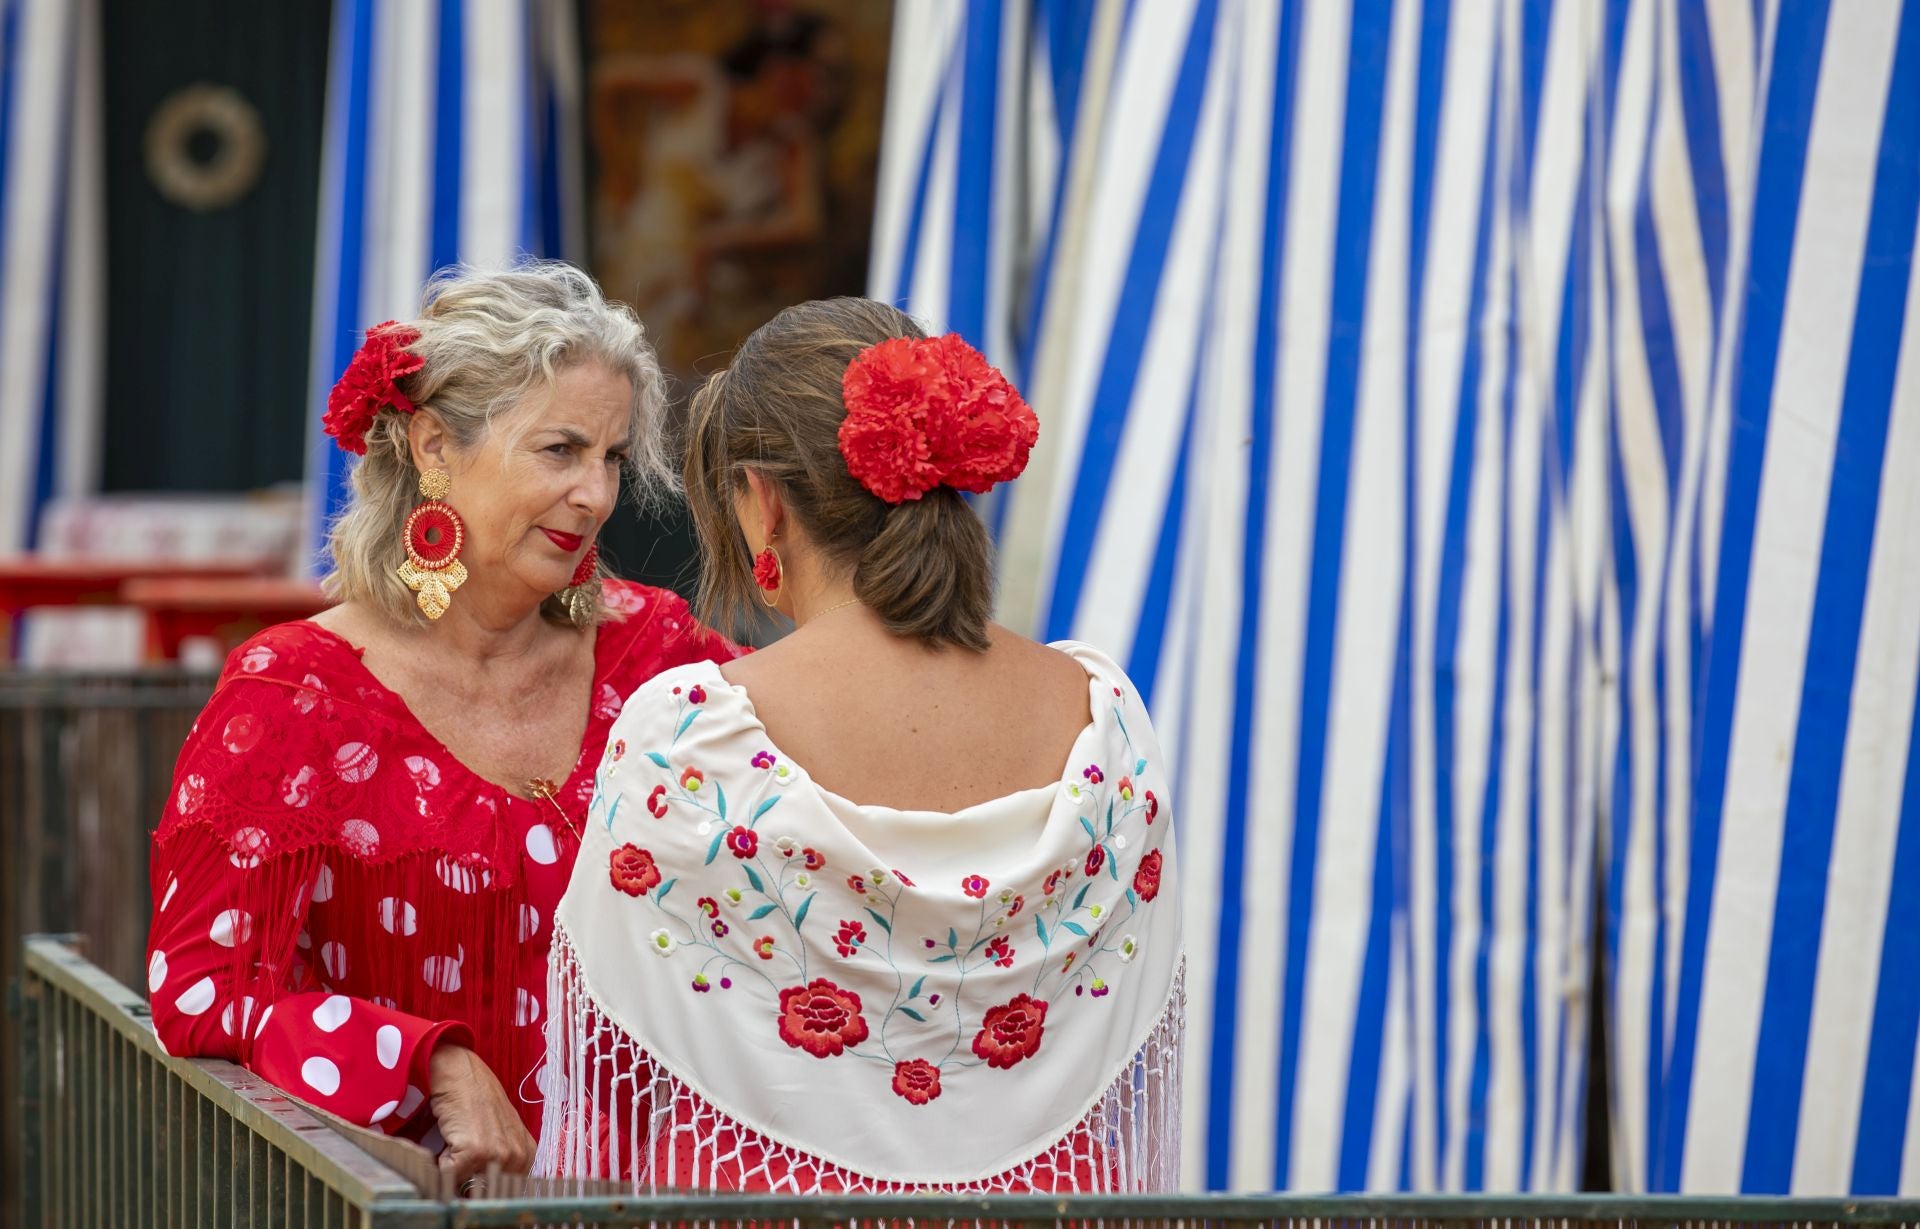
point(762, 809)
point(800, 917)
point(613, 811)
point(1082, 896)
point(1139, 766)
point(1040, 927)
point(1109, 817)
point(1088, 825)
point(713, 850)
point(684, 723)
point(1132, 899)
point(664, 889)
point(720, 796)
point(753, 877)
point(978, 944)
point(884, 923)
point(916, 987)
point(943, 959)
point(1076, 928)
point(953, 937)
point(759, 913)
point(659, 759)
point(911, 1014)
point(1113, 866)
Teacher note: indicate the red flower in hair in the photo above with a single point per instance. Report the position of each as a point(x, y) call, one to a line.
point(371, 384)
point(922, 412)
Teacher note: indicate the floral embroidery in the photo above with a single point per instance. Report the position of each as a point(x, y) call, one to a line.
point(632, 870)
point(812, 858)
point(743, 842)
point(1153, 807)
point(696, 694)
point(1011, 1032)
point(786, 845)
point(857, 883)
point(720, 929)
point(902, 877)
point(700, 983)
point(974, 886)
point(692, 779)
point(1146, 880)
point(763, 947)
point(849, 938)
point(1129, 948)
point(1053, 882)
point(619, 749)
point(1018, 903)
point(1000, 952)
point(661, 943)
point(708, 905)
point(657, 802)
point(917, 1080)
point(1093, 774)
point(1096, 858)
point(763, 759)
point(1125, 789)
point(823, 1019)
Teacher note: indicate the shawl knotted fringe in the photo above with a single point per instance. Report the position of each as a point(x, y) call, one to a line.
point(614, 1113)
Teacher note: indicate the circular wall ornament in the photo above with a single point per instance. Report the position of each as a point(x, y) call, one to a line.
point(205, 147)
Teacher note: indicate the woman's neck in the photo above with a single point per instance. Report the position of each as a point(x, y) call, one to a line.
point(487, 627)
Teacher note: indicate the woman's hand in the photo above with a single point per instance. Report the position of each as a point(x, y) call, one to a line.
point(476, 1117)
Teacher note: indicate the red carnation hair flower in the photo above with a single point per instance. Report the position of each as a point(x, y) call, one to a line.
point(924, 412)
point(371, 384)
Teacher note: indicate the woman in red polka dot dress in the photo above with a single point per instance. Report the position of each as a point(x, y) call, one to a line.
point(374, 817)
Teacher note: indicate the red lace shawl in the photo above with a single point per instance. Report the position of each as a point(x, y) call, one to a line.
point(335, 892)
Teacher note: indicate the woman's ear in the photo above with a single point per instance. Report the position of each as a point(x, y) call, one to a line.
point(427, 440)
point(765, 507)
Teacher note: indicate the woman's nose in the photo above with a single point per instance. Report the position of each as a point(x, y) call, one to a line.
point(597, 492)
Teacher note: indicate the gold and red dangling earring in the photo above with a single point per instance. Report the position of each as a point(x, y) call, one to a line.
point(768, 574)
point(582, 589)
point(434, 535)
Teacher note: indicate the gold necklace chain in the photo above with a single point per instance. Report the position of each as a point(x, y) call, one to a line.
point(852, 601)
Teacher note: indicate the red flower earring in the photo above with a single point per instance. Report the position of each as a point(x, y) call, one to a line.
point(588, 562)
point(434, 535)
point(767, 574)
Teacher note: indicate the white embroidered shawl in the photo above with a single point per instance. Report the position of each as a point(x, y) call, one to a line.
point(752, 971)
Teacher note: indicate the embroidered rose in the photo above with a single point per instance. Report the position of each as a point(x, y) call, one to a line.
point(692, 779)
point(743, 842)
point(849, 938)
point(858, 884)
point(1096, 858)
point(821, 1018)
point(657, 802)
point(632, 870)
point(974, 886)
point(1010, 1033)
point(917, 1080)
point(1153, 807)
point(1000, 951)
point(763, 947)
point(1146, 879)
point(813, 859)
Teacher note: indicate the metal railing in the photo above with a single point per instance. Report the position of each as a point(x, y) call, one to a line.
point(118, 1134)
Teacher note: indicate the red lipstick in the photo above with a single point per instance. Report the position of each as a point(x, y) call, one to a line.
point(568, 542)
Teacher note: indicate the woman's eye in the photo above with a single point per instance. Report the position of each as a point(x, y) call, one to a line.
point(559, 450)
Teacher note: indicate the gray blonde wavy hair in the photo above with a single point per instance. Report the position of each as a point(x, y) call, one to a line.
point(487, 339)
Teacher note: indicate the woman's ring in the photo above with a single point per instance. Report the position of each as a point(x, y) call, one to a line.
point(473, 1187)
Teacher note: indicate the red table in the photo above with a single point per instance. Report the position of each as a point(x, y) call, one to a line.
point(28, 582)
point(228, 610)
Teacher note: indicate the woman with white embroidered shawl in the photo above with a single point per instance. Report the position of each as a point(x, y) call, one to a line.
point(891, 904)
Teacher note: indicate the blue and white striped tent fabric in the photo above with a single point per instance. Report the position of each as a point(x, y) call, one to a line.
point(52, 241)
point(452, 135)
point(1472, 423)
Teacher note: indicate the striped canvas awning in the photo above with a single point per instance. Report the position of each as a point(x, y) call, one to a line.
point(52, 266)
point(452, 135)
point(1486, 430)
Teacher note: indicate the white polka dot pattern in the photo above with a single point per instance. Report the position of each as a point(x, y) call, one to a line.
point(526, 1008)
point(386, 1046)
point(355, 763)
point(529, 922)
point(156, 972)
point(442, 973)
point(397, 917)
point(333, 955)
point(195, 1000)
point(323, 886)
point(321, 1075)
point(333, 1012)
point(540, 846)
point(361, 838)
point(231, 927)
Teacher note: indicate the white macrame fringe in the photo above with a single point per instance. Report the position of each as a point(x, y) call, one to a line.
point(661, 1135)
